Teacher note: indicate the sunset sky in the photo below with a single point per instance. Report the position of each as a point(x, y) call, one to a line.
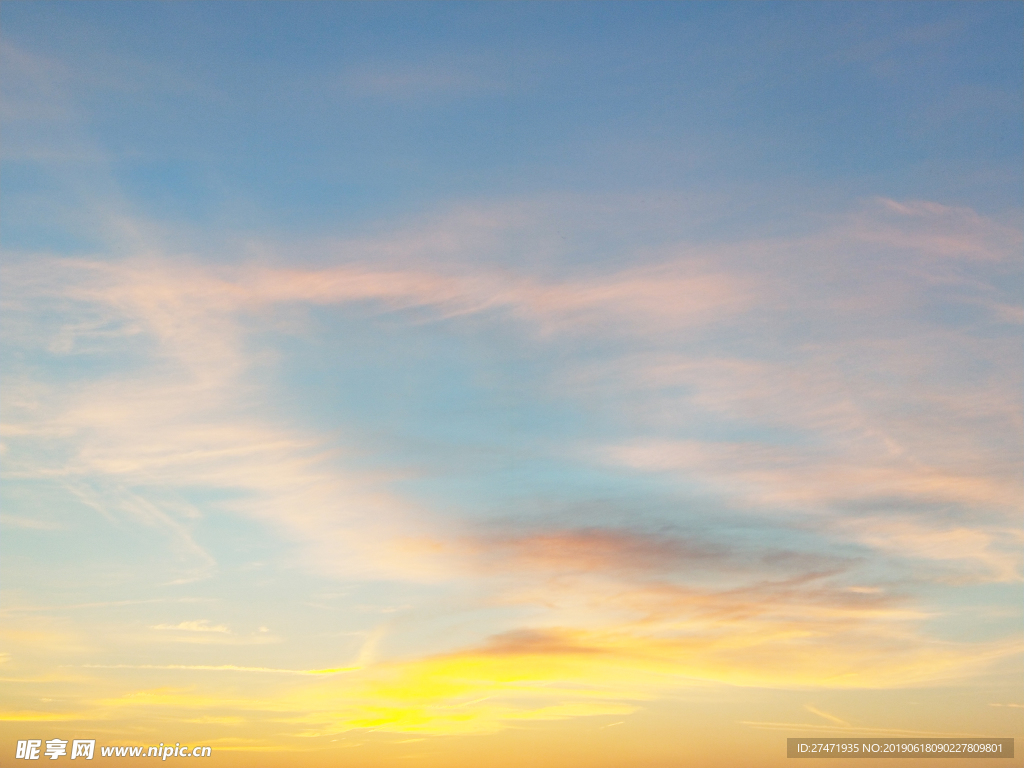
point(511, 384)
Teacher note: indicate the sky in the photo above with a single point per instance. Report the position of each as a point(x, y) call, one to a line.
point(458, 384)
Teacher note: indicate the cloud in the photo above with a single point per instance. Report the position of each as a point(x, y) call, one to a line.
point(528, 642)
point(995, 553)
point(808, 385)
point(37, 716)
point(939, 230)
point(194, 626)
point(776, 477)
point(853, 731)
point(419, 81)
point(30, 89)
point(825, 715)
point(182, 418)
point(770, 478)
point(223, 668)
point(557, 673)
point(29, 524)
point(185, 411)
point(595, 550)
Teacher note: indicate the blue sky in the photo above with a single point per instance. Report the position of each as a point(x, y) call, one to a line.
point(357, 111)
point(508, 370)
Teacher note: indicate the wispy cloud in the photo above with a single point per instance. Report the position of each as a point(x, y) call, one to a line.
point(826, 715)
point(179, 418)
point(422, 80)
point(223, 668)
point(556, 673)
point(29, 524)
point(195, 626)
point(728, 340)
point(935, 229)
point(857, 730)
point(357, 438)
